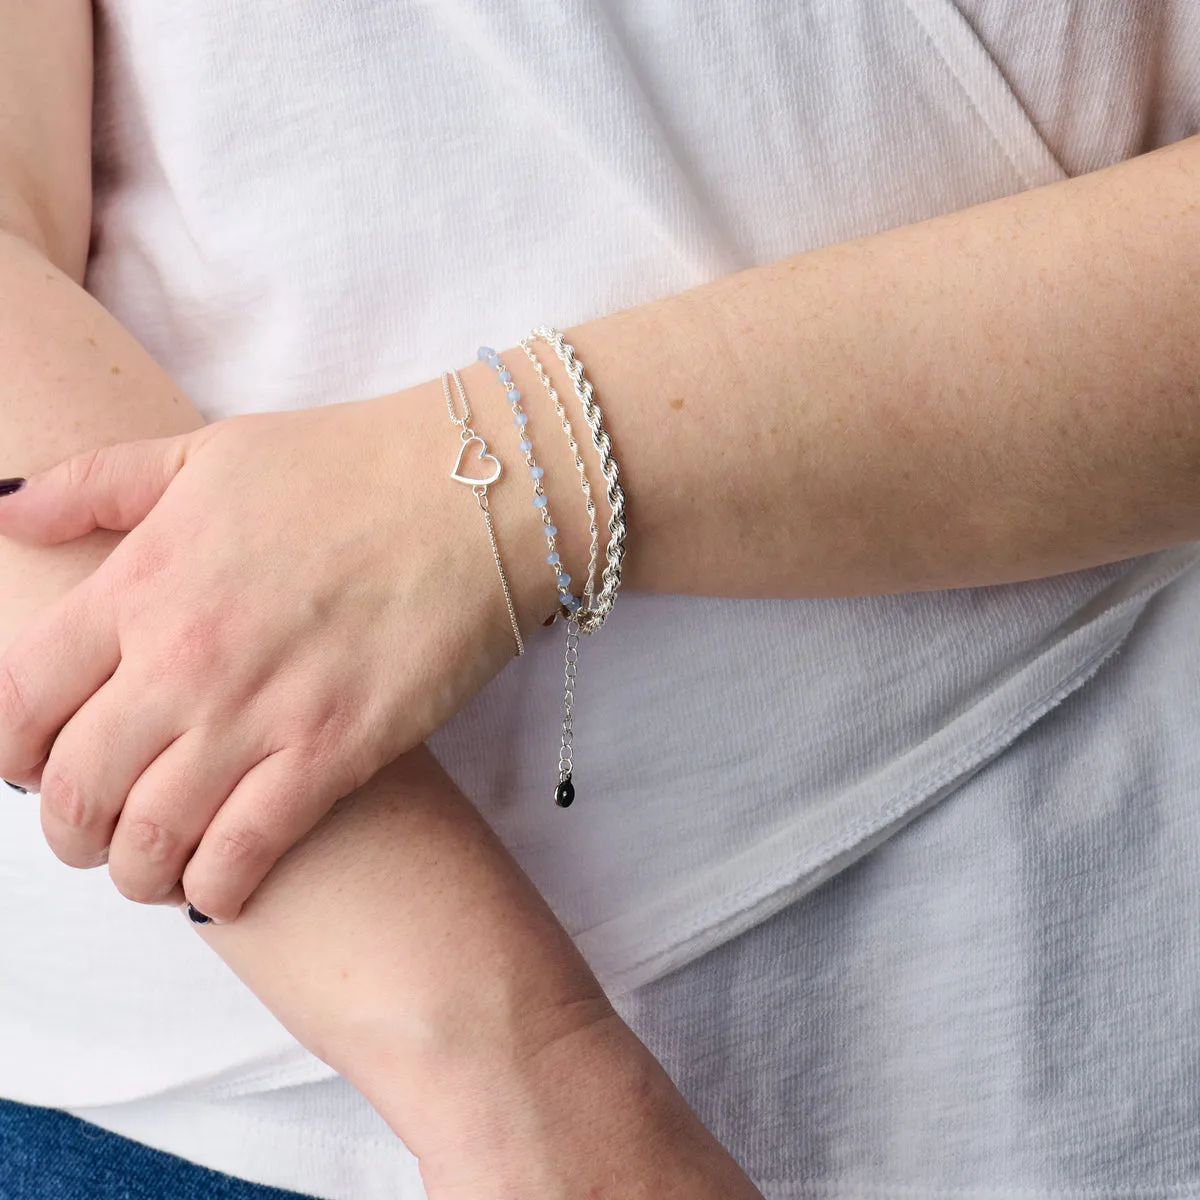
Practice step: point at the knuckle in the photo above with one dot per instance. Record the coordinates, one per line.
(201, 634)
(151, 842)
(64, 800)
(14, 711)
(242, 846)
(80, 468)
(143, 558)
(194, 649)
(219, 880)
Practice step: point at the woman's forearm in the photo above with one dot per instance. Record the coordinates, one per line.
(72, 379)
(1006, 392)
(403, 945)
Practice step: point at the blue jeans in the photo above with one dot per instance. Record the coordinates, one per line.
(50, 1155)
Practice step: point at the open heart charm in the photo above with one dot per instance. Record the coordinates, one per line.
(484, 457)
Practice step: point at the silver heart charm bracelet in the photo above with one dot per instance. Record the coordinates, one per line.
(487, 468)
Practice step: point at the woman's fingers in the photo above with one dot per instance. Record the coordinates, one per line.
(94, 762)
(166, 812)
(275, 805)
(50, 671)
(112, 487)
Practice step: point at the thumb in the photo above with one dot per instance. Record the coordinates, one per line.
(113, 487)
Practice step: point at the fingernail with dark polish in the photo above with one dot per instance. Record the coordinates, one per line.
(197, 917)
(8, 486)
(18, 788)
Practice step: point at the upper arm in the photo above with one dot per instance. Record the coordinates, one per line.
(45, 126)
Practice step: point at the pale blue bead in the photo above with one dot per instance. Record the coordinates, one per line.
(539, 502)
(494, 362)
(505, 377)
(564, 580)
(551, 531)
(486, 352)
(536, 472)
(514, 397)
(526, 446)
(520, 419)
(553, 559)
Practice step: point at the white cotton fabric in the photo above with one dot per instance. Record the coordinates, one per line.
(302, 203)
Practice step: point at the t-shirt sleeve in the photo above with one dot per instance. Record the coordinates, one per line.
(1101, 82)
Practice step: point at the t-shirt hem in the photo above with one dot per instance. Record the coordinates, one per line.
(309, 1152)
(638, 947)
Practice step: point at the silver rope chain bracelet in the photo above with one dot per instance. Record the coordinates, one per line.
(591, 620)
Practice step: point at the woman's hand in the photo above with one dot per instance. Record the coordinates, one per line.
(303, 597)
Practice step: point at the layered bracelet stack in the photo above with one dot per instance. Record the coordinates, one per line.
(586, 612)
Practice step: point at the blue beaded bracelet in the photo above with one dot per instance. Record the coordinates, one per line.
(567, 599)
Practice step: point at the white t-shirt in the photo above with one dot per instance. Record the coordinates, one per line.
(299, 203)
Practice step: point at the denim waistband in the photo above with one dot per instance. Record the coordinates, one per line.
(50, 1155)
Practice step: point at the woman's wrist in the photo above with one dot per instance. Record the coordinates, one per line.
(519, 529)
(419, 415)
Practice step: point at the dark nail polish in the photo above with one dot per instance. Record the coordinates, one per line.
(17, 788)
(8, 486)
(197, 917)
